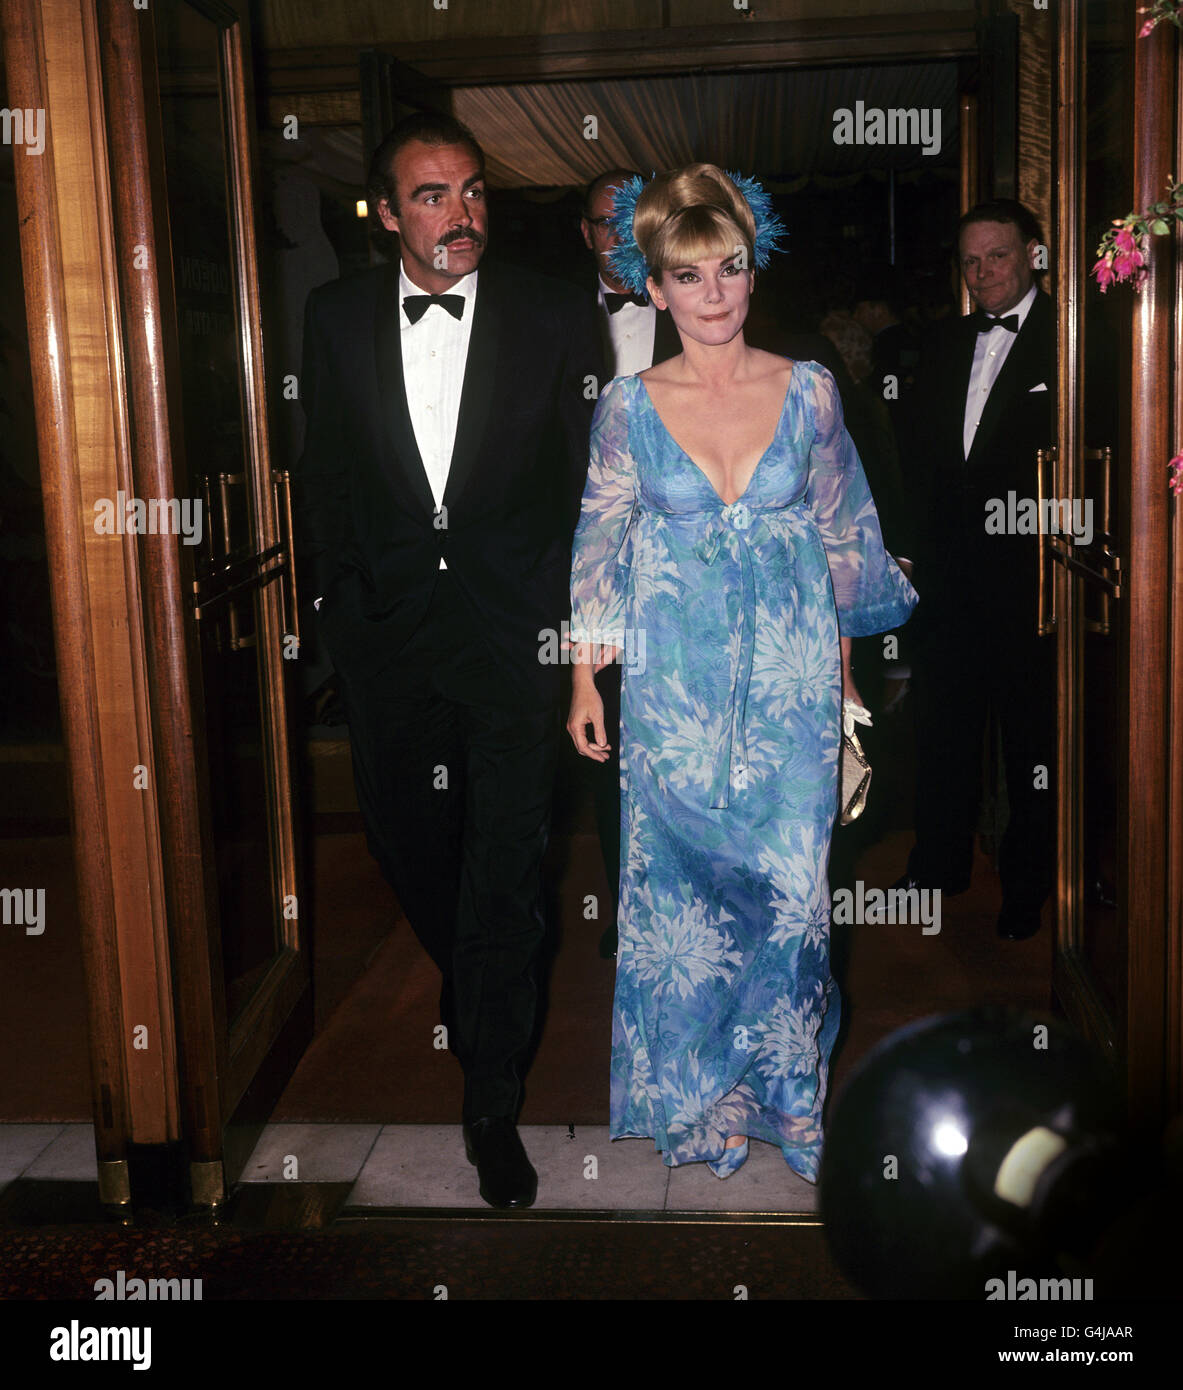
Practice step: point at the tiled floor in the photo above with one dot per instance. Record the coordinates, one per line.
(424, 1167)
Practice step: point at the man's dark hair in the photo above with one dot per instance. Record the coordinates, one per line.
(429, 127)
(613, 177)
(1003, 210)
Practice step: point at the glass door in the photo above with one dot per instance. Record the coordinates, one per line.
(1107, 596)
(241, 598)
(1083, 586)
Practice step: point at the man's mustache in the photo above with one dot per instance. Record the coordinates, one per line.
(460, 234)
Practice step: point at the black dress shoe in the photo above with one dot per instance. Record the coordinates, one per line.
(507, 1178)
(1017, 922)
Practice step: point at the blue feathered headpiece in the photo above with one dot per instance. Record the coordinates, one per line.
(626, 260)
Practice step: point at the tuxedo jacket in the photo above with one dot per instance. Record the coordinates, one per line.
(369, 535)
(666, 342)
(955, 556)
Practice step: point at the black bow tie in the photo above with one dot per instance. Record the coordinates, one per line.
(416, 304)
(617, 301)
(984, 322)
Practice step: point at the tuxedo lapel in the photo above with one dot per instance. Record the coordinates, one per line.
(485, 345)
(392, 391)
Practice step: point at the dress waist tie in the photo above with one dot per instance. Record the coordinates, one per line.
(738, 532)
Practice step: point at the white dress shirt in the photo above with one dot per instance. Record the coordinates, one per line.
(435, 351)
(631, 333)
(989, 354)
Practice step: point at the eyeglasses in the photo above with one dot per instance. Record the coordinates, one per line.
(598, 222)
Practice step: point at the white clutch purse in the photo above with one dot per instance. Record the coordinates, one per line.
(854, 771)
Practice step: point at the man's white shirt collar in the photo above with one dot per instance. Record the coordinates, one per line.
(1022, 308)
(465, 286)
(607, 289)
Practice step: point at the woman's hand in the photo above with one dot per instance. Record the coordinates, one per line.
(587, 708)
(849, 689)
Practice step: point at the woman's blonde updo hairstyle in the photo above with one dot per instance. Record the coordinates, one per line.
(689, 215)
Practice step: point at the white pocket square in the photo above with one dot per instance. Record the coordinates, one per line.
(1041, 387)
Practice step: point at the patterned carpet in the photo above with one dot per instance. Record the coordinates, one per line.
(488, 1258)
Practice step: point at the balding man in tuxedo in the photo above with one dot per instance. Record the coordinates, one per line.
(985, 406)
(635, 336)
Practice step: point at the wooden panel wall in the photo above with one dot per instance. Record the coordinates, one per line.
(1143, 799)
(1036, 114)
(297, 24)
(318, 82)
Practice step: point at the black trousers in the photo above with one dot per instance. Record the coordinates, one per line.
(606, 786)
(454, 777)
(966, 663)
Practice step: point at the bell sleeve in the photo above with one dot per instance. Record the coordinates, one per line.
(870, 591)
(600, 550)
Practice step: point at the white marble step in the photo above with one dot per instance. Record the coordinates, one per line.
(424, 1166)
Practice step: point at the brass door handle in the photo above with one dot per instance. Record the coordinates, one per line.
(1101, 625)
(1098, 562)
(1045, 614)
(281, 481)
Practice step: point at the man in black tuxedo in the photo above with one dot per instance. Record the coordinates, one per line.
(449, 413)
(985, 405)
(635, 335)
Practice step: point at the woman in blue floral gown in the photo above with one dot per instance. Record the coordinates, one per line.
(724, 587)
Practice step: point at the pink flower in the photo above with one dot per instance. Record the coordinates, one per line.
(1127, 259)
(1147, 28)
(1176, 467)
(1104, 273)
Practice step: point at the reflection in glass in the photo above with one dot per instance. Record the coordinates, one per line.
(217, 460)
(1108, 91)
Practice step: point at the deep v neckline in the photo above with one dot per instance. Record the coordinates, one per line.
(702, 471)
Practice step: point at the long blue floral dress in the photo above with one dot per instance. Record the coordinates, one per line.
(725, 1010)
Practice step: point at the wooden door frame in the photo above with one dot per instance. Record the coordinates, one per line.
(53, 64)
(1145, 545)
(219, 1060)
(174, 690)
(1173, 982)
(1150, 859)
(96, 256)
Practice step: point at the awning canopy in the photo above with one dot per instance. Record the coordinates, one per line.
(778, 125)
